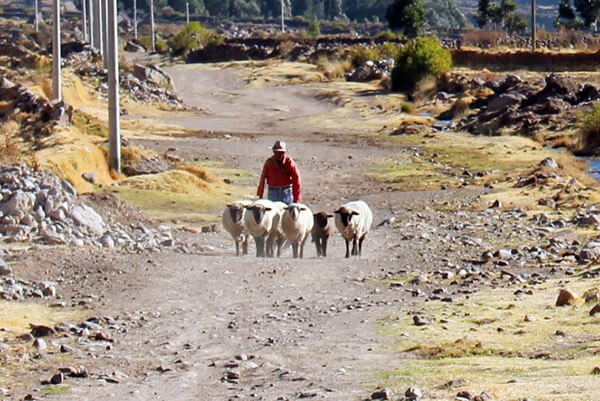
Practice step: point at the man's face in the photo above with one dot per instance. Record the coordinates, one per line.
(279, 155)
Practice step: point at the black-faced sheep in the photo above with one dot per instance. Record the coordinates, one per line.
(354, 220)
(259, 219)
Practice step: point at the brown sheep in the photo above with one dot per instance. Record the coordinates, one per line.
(321, 231)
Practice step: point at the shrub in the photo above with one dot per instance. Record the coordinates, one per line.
(362, 54)
(386, 35)
(193, 36)
(389, 50)
(419, 59)
(314, 28)
(589, 131)
(333, 68)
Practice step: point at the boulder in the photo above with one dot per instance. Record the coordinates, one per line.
(20, 202)
(504, 101)
(134, 47)
(5, 270)
(590, 252)
(153, 74)
(566, 297)
(86, 216)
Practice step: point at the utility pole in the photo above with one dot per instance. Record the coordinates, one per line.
(135, 34)
(90, 21)
(152, 26)
(84, 20)
(104, 6)
(282, 16)
(114, 134)
(98, 26)
(56, 73)
(36, 18)
(533, 28)
(187, 13)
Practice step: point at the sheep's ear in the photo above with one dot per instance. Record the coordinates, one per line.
(355, 213)
(329, 216)
(268, 208)
(337, 211)
(302, 208)
(229, 204)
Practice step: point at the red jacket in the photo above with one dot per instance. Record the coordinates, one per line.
(281, 174)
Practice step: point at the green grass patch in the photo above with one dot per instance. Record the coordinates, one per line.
(15, 317)
(56, 389)
(407, 175)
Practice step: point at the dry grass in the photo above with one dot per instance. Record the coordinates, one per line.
(333, 68)
(9, 148)
(499, 343)
(176, 181)
(199, 172)
(286, 48)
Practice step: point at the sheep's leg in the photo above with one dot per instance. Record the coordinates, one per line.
(347, 248)
(237, 247)
(318, 246)
(260, 247)
(295, 249)
(245, 246)
(354, 249)
(269, 247)
(280, 242)
(302, 248)
(324, 247)
(360, 242)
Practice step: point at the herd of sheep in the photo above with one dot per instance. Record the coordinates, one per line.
(271, 224)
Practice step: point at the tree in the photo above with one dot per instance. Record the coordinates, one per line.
(483, 16)
(567, 17)
(566, 10)
(589, 10)
(407, 16)
(515, 23)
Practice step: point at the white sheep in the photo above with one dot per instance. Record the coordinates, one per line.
(297, 222)
(258, 220)
(276, 236)
(354, 220)
(233, 222)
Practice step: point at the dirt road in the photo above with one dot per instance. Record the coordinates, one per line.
(217, 327)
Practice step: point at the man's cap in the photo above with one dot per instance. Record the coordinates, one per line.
(279, 146)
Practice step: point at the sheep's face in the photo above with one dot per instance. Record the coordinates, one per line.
(236, 212)
(294, 211)
(346, 215)
(321, 219)
(258, 212)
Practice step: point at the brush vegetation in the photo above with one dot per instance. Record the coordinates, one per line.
(420, 59)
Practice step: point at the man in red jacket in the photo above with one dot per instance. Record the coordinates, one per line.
(282, 176)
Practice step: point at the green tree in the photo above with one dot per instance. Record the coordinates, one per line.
(567, 17)
(515, 23)
(589, 10)
(407, 16)
(314, 29)
(483, 16)
(421, 58)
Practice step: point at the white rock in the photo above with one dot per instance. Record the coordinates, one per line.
(87, 217)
